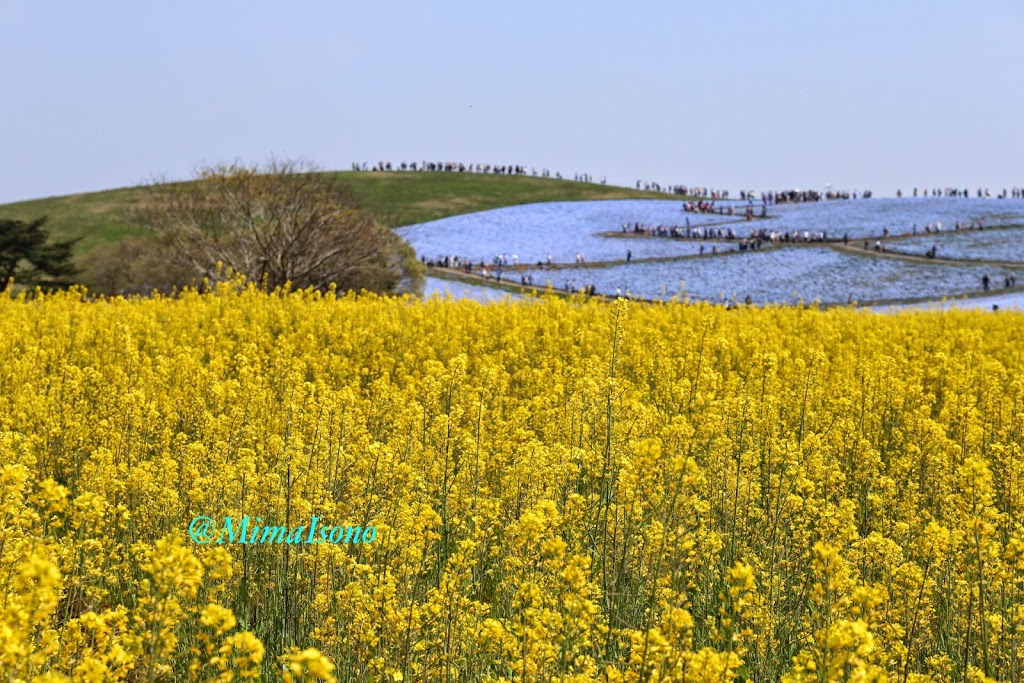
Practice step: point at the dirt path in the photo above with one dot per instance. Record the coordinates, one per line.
(858, 250)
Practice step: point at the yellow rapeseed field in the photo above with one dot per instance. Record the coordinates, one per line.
(561, 491)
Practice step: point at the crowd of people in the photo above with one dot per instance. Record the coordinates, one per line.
(963, 193)
(450, 167)
(754, 238)
(786, 236)
(462, 263)
(800, 196)
(704, 192)
(683, 190)
(705, 232)
(929, 228)
(460, 167)
(729, 210)
(936, 227)
(526, 279)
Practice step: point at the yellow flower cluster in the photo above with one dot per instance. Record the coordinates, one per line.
(563, 490)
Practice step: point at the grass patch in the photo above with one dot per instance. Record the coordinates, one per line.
(96, 217)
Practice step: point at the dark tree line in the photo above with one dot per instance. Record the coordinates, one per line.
(28, 257)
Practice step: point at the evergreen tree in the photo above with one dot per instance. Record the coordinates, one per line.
(27, 256)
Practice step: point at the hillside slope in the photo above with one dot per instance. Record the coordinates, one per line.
(395, 198)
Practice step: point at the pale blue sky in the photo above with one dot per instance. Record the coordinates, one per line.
(877, 94)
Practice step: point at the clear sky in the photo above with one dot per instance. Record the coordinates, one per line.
(733, 94)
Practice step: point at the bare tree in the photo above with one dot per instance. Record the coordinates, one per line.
(284, 222)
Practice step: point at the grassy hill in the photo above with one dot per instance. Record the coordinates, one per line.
(396, 198)
(95, 217)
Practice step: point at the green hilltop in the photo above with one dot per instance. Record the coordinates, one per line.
(395, 198)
